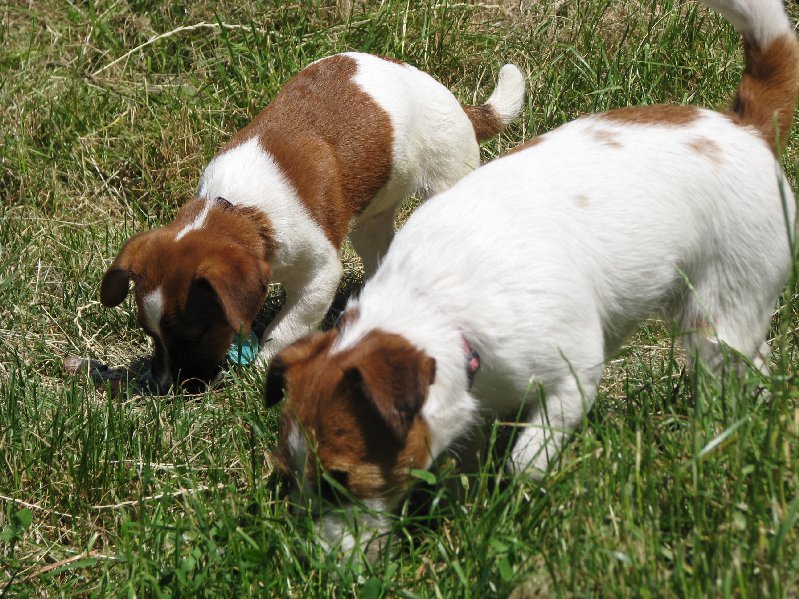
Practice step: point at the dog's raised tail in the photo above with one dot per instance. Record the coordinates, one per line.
(770, 84)
(504, 104)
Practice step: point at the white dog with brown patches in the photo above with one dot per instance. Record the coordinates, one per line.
(336, 152)
(534, 268)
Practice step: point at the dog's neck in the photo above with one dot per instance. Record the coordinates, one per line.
(246, 225)
(226, 205)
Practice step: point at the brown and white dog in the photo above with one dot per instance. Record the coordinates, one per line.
(340, 147)
(528, 273)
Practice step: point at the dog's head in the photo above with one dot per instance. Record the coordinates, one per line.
(351, 428)
(195, 287)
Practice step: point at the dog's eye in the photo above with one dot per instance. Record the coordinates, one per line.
(333, 486)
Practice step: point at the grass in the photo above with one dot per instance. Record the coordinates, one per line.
(674, 487)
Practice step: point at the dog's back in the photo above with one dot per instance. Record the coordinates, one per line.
(563, 246)
(618, 209)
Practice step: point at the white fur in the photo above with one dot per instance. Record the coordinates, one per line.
(508, 97)
(306, 263)
(153, 308)
(562, 248)
(434, 145)
(546, 259)
(758, 21)
(433, 140)
(197, 223)
(340, 530)
(298, 449)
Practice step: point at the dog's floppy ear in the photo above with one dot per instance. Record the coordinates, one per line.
(301, 350)
(240, 281)
(116, 280)
(394, 378)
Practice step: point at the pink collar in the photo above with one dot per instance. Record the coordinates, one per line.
(472, 361)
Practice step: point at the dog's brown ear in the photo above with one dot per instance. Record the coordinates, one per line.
(116, 280)
(240, 281)
(299, 351)
(394, 377)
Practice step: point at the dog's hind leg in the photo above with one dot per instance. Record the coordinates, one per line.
(371, 238)
(710, 322)
(708, 344)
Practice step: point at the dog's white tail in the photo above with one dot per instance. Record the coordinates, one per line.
(504, 104)
(770, 84)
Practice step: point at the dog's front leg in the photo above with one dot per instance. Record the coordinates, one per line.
(541, 439)
(310, 289)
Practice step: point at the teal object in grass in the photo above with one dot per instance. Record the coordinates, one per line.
(243, 350)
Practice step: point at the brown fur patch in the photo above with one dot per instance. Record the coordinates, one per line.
(582, 201)
(528, 144)
(485, 120)
(667, 115)
(212, 285)
(331, 397)
(706, 147)
(350, 316)
(333, 141)
(608, 138)
(769, 86)
(245, 225)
